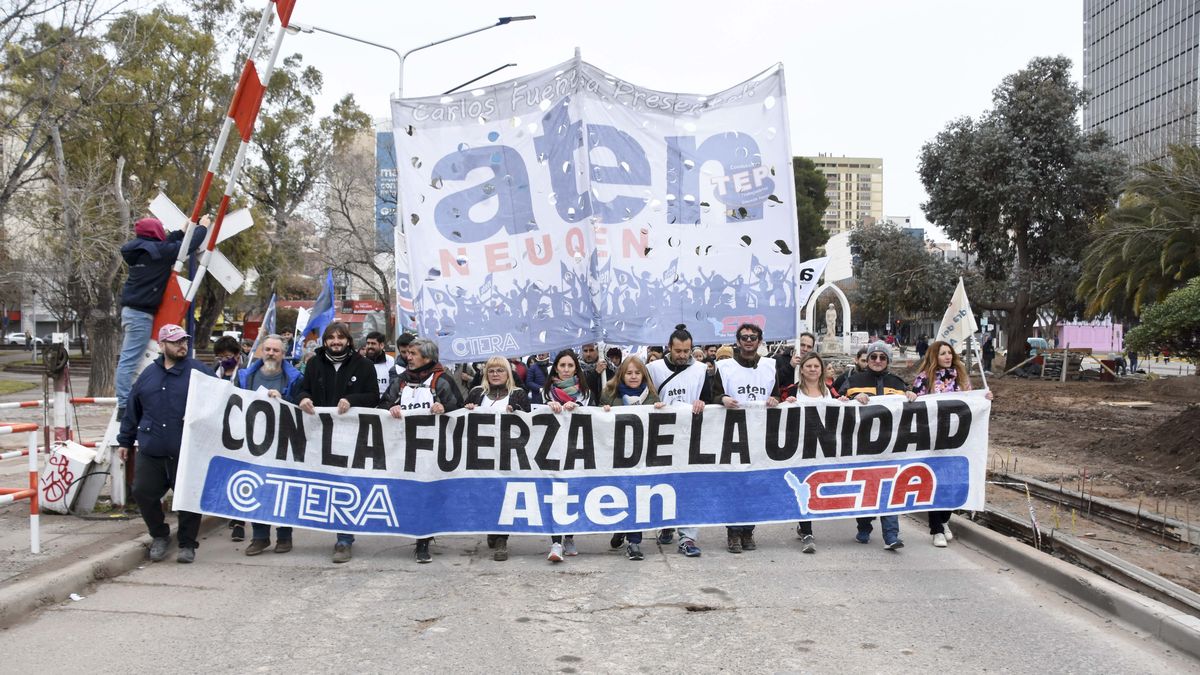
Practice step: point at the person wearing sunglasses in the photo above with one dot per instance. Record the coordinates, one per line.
(746, 378)
(877, 380)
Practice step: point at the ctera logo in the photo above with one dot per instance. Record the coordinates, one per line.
(828, 491)
(310, 499)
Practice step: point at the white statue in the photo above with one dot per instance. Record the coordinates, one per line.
(831, 322)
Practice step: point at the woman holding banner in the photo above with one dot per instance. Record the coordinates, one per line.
(630, 386)
(498, 393)
(812, 386)
(941, 372)
(564, 390)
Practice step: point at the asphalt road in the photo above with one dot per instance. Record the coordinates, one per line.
(848, 608)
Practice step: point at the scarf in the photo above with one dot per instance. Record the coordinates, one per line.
(565, 391)
(497, 393)
(336, 359)
(676, 367)
(630, 395)
(419, 375)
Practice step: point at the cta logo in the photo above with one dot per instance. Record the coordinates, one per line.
(322, 501)
(868, 488)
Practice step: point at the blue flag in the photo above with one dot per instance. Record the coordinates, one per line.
(321, 316)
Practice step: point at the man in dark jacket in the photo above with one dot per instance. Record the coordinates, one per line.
(150, 257)
(426, 387)
(338, 376)
(154, 418)
(877, 380)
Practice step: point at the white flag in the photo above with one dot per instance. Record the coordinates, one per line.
(958, 323)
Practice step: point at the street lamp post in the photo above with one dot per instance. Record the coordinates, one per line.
(296, 27)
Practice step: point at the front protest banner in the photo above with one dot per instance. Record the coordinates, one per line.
(250, 457)
(571, 205)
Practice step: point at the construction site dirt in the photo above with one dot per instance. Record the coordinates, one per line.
(1134, 441)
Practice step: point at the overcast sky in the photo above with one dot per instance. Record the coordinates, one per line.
(873, 78)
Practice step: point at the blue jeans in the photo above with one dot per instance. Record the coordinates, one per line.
(344, 538)
(262, 532)
(137, 326)
(890, 524)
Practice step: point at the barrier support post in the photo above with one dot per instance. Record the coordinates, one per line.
(35, 540)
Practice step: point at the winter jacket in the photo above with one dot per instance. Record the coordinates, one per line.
(535, 379)
(354, 381)
(875, 384)
(444, 389)
(155, 408)
(150, 264)
(518, 398)
(290, 372)
(617, 399)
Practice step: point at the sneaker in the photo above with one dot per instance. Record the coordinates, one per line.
(939, 540)
(187, 555)
(501, 552)
(422, 552)
(341, 552)
(634, 551)
(158, 548)
(666, 536)
(748, 541)
(734, 544)
(569, 546)
(863, 537)
(492, 539)
(949, 535)
(808, 544)
(238, 533)
(617, 540)
(689, 548)
(893, 544)
(556, 552)
(283, 546)
(257, 546)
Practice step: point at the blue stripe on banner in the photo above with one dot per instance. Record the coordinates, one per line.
(370, 505)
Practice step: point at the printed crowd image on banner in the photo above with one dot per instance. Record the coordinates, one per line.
(571, 206)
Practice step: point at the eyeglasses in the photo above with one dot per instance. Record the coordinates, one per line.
(748, 338)
(878, 357)
(496, 371)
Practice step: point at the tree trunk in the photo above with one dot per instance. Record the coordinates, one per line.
(104, 339)
(214, 304)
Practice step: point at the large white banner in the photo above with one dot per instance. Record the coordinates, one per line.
(572, 205)
(250, 457)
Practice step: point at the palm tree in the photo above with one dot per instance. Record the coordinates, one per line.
(1149, 244)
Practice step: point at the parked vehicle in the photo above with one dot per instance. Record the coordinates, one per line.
(19, 339)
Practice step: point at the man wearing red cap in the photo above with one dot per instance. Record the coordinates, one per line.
(154, 418)
(150, 257)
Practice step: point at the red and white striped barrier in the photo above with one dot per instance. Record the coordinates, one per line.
(21, 453)
(10, 495)
(100, 400)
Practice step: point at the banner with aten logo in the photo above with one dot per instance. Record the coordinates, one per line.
(572, 205)
(249, 457)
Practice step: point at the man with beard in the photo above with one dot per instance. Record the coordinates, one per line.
(280, 379)
(337, 376)
(746, 378)
(424, 388)
(154, 418)
(679, 378)
(373, 350)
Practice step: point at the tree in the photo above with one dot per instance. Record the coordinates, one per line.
(811, 203)
(347, 234)
(1172, 325)
(1019, 187)
(896, 274)
(1149, 244)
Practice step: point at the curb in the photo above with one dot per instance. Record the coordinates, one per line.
(20, 599)
(1175, 628)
